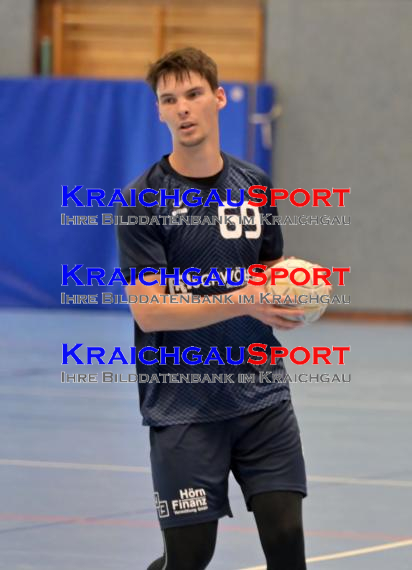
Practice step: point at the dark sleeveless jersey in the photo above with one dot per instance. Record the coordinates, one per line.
(210, 395)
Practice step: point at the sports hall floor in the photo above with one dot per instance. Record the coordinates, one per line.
(75, 488)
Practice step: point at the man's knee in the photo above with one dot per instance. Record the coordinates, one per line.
(289, 533)
(192, 560)
(188, 547)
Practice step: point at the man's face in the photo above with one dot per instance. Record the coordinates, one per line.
(189, 108)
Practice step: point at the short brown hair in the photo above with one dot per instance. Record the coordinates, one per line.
(180, 63)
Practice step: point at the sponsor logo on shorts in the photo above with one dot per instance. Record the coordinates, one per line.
(190, 501)
(161, 506)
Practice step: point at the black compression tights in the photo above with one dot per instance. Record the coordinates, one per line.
(279, 520)
(187, 547)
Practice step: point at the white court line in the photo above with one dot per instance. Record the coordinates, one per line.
(348, 553)
(360, 481)
(140, 469)
(82, 466)
(70, 391)
(388, 406)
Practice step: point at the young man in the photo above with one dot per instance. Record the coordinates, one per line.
(201, 430)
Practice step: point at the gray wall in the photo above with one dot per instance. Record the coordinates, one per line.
(16, 37)
(345, 76)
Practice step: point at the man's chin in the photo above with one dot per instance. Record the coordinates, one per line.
(192, 142)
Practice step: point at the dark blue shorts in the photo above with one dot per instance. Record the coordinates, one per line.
(191, 463)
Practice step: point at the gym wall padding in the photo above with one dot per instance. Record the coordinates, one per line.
(99, 134)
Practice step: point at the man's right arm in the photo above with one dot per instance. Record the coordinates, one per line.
(165, 315)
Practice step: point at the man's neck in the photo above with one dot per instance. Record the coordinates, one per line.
(196, 163)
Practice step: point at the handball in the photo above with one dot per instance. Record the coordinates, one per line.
(300, 290)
